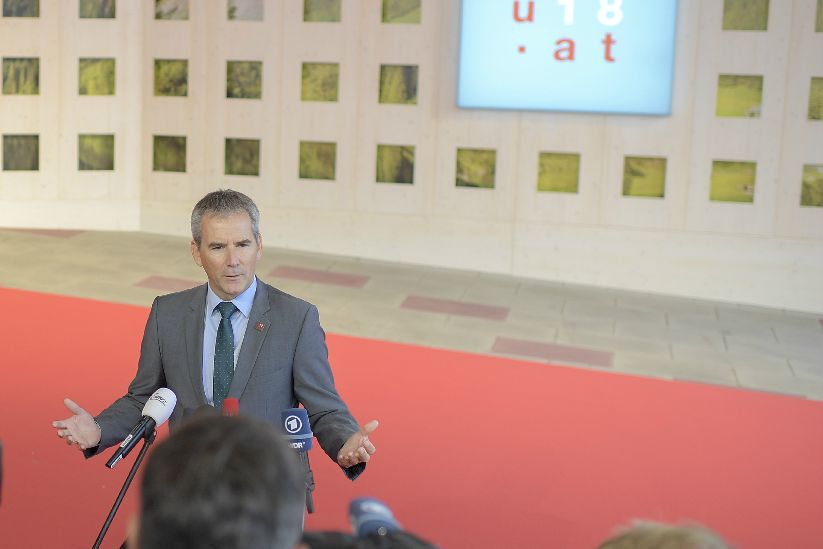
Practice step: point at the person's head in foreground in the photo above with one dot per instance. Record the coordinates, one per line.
(220, 482)
(654, 535)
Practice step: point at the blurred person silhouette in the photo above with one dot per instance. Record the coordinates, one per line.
(220, 483)
(655, 535)
(374, 527)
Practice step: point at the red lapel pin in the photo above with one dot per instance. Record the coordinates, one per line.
(259, 326)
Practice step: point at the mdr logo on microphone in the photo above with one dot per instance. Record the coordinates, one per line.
(296, 428)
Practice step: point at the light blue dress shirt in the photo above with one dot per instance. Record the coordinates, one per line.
(239, 321)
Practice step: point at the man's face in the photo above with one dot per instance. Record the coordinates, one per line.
(228, 252)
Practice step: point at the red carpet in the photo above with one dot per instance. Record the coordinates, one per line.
(473, 451)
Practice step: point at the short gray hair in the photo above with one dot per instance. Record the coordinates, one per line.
(223, 202)
(652, 535)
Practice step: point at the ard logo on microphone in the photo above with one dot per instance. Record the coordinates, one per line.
(159, 398)
(293, 424)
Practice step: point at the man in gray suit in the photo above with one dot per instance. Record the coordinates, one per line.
(235, 337)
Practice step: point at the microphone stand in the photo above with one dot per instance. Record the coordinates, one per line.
(304, 457)
(309, 489)
(147, 440)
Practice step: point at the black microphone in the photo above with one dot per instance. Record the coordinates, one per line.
(297, 432)
(297, 429)
(371, 516)
(157, 410)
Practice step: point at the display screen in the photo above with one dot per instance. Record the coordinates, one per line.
(611, 56)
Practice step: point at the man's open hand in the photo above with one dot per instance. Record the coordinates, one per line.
(79, 429)
(358, 449)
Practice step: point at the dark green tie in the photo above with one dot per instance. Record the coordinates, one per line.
(223, 354)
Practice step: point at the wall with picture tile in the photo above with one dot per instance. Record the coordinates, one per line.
(339, 118)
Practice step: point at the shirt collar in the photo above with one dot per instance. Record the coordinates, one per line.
(243, 301)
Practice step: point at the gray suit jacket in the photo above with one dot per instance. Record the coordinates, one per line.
(283, 362)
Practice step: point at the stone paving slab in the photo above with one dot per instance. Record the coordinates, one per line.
(667, 337)
(807, 369)
(553, 352)
(612, 343)
(540, 332)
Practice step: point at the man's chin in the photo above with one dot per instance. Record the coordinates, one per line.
(233, 286)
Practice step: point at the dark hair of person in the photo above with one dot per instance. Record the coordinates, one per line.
(221, 483)
(221, 203)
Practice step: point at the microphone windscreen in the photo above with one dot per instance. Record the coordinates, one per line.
(160, 405)
(231, 407)
(296, 428)
(371, 516)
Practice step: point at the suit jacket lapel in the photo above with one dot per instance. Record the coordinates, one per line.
(193, 322)
(256, 330)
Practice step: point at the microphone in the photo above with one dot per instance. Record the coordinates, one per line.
(157, 410)
(297, 429)
(371, 516)
(298, 435)
(231, 407)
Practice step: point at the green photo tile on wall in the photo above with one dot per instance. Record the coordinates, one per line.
(320, 82)
(96, 76)
(171, 77)
(475, 168)
(21, 152)
(171, 10)
(398, 84)
(95, 152)
(21, 8)
(169, 153)
(401, 11)
(644, 176)
(321, 11)
(97, 9)
(732, 181)
(816, 99)
(818, 24)
(242, 157)
(244, 79)
(739, 95)
(318, 160)
(245, 10)
(21, 76)
(811, 193)
(558, 172)
(395, 164)
(747, 15)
